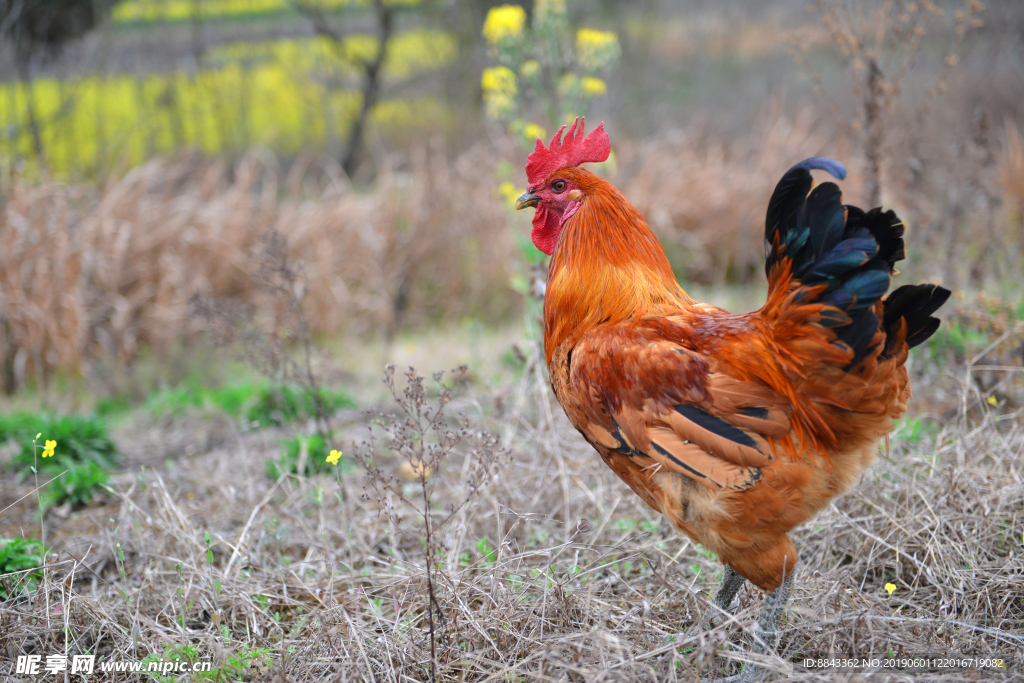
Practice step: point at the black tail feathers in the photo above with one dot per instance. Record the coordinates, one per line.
(915, 304)
(851, 252)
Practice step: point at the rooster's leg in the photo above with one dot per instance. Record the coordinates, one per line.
(731, 582)
(767, 632)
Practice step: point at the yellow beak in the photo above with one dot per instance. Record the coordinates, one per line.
(526, 199)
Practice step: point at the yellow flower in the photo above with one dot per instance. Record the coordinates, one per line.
(333, 457)
(499, 105)
(503, 22)
(509, 192)
(500, 79)
(48, 451)
(991, 400)
(499, 84)
(596, 49)
(529, 68)
(532, 130)
(890, 587)
(594, 86)
(592, 39)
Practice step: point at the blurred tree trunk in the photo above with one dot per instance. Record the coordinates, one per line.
(23, 65)
(371, 85)
(372, 69)
(874, 110)
(38, 27)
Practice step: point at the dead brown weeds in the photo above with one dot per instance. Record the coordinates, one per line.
(705, 199)
(89, 272)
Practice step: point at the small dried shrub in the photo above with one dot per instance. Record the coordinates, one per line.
(424, 437)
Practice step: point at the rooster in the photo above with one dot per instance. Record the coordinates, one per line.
(736, 427)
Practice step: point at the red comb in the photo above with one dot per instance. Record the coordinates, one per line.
(572, 151)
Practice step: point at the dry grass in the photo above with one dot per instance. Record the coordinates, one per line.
(93, 274)
(964, 208)
(706, 199)
(88, 273)
(554, 571)
(1011, 171)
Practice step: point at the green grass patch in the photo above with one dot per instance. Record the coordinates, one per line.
(80, 439)
(916, 429)
(237, 667)
(263, 403)
(956, 339)
(231, 399)
(112, 406)
(306, 455)
(20, 563)
(283, 405)
(78, 487)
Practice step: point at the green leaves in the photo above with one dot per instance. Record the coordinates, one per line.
(209, 549)
(487, 552)
(544, 67)
(77, 487)
(305, 455)
(16, 556)
(79, 463)
(81, 439)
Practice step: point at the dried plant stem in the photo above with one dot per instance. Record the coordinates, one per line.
(429, 558)
(424, 437)
(874, 143)
(39, 502)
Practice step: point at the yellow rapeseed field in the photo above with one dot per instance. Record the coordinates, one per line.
(288, 95)
(145, 11)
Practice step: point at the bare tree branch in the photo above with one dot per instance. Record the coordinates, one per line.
(371, 68)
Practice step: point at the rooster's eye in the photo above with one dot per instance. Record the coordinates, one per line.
(558, 186)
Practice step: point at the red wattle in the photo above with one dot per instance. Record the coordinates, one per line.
(546, 225)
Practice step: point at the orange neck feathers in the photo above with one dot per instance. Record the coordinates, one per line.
(608, 266)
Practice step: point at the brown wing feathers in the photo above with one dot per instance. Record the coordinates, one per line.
(750, 406)
(686, 457)
(718, 436)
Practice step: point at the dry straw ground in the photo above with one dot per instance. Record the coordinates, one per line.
(553, 571)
